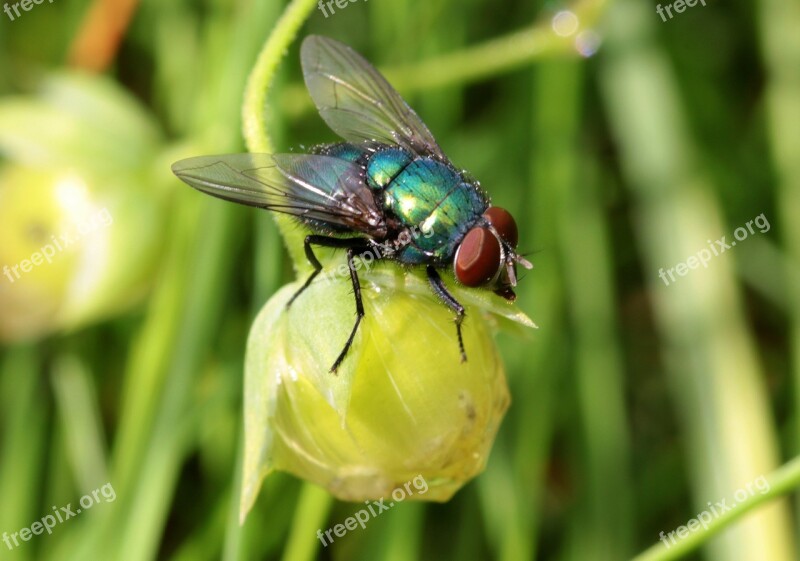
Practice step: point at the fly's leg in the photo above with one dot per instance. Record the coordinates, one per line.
(322, 241)
(356, 247)
(352, 253)
(449, 300)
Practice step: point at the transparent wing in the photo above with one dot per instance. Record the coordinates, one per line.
(310, 187)
(357, 102)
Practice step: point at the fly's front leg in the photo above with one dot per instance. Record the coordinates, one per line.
(322, 241)
(449, 300)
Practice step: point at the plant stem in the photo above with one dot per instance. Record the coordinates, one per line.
(263, 73)
(309, 516)
(254, 123)
(473, 63)
(781, 482)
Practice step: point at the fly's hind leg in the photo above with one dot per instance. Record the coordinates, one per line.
(449, 300)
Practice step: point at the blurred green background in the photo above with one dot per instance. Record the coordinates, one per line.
(636, 404)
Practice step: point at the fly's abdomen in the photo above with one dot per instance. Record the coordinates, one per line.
(432, 199)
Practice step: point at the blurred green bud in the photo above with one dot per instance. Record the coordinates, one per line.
(80, 219)
(402, 404)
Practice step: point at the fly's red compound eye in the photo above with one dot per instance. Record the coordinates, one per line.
(504, 223)
(478, 258)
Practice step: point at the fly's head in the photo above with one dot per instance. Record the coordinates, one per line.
(487, 256)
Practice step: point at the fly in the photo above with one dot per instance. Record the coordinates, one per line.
(388, 190)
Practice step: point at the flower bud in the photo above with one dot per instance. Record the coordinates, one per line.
(79, 219)
(402, 403)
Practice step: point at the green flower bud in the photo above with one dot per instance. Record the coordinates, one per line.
(79, 218)
(402, 403)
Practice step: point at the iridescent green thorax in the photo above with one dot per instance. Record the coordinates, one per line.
(426, 196)
(432, 197)
(385, 165)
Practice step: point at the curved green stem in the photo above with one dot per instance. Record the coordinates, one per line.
(781, 482)
(254, 121)
(263, 74)
(471, 64)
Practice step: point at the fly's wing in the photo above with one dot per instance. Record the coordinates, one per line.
(309, 187)
(357, 102)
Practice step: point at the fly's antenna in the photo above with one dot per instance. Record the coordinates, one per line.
(522, 261)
